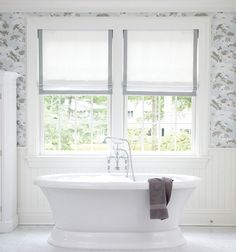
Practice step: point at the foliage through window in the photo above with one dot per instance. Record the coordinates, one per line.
(160, 123)
(74, 123)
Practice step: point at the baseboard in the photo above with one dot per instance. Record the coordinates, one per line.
(35, 218)
(209, 219)
(203, 218)
(8, 226)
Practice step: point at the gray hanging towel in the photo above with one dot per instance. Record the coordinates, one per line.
(159, 195)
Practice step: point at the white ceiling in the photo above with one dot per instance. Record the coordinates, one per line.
(118, 5)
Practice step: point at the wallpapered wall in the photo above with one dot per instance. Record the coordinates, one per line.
(222, 129)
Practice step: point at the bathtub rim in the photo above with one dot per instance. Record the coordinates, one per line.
(48, 181)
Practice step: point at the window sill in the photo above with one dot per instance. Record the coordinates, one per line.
(169, 162)
(99, 162)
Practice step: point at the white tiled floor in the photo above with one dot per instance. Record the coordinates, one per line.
(199, 239)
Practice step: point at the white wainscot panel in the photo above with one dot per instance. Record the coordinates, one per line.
(213, 203)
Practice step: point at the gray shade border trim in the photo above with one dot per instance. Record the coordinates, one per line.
(110, 38)
(125, 58)
(40, 59)
(75, 92)
(161, 93)
(195, 59)
(42, 91)
(194, 93)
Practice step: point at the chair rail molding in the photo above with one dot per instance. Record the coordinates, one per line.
(118, 5)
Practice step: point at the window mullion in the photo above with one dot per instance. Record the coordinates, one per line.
(117, 108)
(76, 123)
(59, 123)
(42, 123)
(193, 127)
(175, 122)
(91, 122)
(143, 128)
(159, 123)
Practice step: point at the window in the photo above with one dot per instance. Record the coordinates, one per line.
(74, 122)
(145, 79)
(161, 67)
(160, 123)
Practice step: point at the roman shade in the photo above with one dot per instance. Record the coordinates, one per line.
(160, 62)
(75, 61)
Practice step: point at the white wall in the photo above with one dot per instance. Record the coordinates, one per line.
(213, 203)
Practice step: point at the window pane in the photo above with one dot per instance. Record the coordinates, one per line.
(150, 137)
(75, 55)
(183, 109)
(74, 123)
(51, 138)
(160, 123)
(160, 56)
(168, 137)
(135, 136)
(100, 131)
(51, 116)
(135, 104)
(183, 137)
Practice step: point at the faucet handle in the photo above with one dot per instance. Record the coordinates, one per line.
(109, 164)
(126, 163)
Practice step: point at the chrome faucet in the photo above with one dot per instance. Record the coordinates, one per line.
(120, 153)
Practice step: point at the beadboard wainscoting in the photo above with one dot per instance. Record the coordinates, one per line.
(213, 203)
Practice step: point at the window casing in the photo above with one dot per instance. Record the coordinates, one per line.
(118, 102)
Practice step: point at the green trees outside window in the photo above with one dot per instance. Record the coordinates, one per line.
(80, 123)
(160, 123)
(75, 123)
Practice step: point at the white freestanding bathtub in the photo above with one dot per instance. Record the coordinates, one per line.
(112, 212)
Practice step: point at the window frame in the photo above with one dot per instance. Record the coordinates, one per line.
(118, 105)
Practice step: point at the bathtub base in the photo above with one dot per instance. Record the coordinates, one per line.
(89, 240)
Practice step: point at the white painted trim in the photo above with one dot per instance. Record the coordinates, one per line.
(8, 225)
(203, 94)
(118, 5)
(202, 217)
(117, 99)
(209, 219)
(61, 162)
(8, 160)
(35, 217)
(33, 123)
(121, 23)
